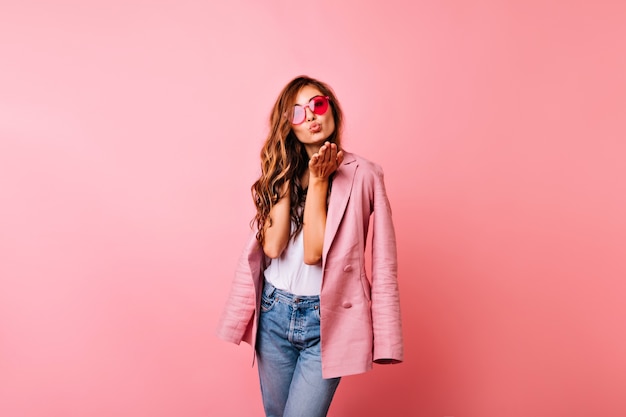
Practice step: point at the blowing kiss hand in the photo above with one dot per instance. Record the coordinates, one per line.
(325, 161)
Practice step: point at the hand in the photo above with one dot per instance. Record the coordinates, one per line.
(326, 161)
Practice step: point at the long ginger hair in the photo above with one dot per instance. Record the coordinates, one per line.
(284, 158)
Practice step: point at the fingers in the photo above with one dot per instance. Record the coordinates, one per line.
(326, 160)
(328, 152)
(325, 152)
(339, 158)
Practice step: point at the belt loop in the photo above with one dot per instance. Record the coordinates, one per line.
(268, 289)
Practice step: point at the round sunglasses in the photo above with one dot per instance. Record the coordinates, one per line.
(318, 105)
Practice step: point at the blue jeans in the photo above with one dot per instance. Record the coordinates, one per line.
(289, 356)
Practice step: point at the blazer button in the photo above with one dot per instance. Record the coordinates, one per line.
(347, 268)
(347, 304)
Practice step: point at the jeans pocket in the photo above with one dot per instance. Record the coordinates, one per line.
(267, 302)
(316, 312)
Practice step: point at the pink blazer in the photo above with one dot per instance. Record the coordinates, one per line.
(360, 316)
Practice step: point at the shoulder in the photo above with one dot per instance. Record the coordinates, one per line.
(365, 166)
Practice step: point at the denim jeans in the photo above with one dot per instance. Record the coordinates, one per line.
(289, 356)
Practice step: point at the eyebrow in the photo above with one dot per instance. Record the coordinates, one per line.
(302, 105)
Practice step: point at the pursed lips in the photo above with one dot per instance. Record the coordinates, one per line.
(315, 127)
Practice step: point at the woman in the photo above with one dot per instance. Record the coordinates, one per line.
(301, 294)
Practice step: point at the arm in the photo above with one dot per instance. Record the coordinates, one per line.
(278, 225)
(321, 166)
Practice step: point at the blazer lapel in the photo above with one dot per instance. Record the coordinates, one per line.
(339, 196)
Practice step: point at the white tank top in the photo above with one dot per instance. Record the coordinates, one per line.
(289, 272)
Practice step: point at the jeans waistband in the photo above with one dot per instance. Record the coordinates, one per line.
(287, 297)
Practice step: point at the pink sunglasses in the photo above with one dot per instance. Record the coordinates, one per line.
(318, 105)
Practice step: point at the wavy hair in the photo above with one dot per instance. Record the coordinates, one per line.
(284, 158)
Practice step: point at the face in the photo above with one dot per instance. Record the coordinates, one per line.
(316, 128)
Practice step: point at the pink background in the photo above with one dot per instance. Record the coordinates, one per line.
(129, 138)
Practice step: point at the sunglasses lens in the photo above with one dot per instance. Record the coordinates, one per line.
(299, 114)
(319, 105)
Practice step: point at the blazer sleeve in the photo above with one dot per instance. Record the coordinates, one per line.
(386, 319)
(237, 320)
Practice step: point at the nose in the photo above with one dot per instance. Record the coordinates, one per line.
(309, 114)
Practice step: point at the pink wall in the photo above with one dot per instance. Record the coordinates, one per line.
(129, 137)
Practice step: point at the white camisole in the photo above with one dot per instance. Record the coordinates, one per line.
(289, 272)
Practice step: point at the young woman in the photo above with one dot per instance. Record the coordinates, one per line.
(301, 295)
